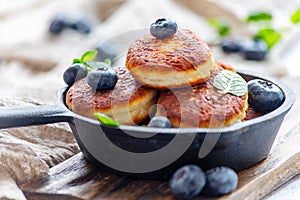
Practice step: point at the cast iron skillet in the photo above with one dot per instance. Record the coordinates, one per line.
(148, 152)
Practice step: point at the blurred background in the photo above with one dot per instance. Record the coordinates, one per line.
(33, 56)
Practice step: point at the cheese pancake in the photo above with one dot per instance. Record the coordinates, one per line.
(127, 103)
(202, 105)
(179, 61)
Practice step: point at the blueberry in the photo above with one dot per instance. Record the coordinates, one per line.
(230, 46)
(187, 181)
(160, 122)
(57, 25)
(264, 96)
(220, 181)
(74, 73)
(103, 78)
(163, 28)
(81, 26)
(254, 49)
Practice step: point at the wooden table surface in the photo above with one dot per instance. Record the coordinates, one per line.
(76, 178)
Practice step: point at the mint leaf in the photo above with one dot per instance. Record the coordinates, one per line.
(230, 82)
(221, 26)
(259, 16)
(269, 35)
(89, 56)
(104, 119)
(76, 60)
(295, 18)
(87, 59)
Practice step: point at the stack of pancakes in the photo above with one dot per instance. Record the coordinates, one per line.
(174, 74)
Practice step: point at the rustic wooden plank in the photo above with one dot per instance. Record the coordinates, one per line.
(76, 178)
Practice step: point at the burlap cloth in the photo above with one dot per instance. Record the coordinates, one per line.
(32, 63)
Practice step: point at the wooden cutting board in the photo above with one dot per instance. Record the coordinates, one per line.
(76, 178)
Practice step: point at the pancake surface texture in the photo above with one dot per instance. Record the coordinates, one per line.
(202, 105)
(128, 103)
(179, 61)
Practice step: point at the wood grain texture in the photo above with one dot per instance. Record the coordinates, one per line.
(76, 178)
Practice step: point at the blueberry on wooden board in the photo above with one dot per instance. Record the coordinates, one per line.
(220, 181)
(163, 28)
(187, 181)
(264, 96)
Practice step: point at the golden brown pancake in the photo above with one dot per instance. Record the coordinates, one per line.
(179, 61)
(128, 103)
(202, 105)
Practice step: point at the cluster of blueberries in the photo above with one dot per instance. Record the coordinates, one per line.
(60, 22)
(190, 180)
(251, 49)
(101, 78)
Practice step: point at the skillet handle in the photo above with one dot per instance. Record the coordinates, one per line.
(33, 115)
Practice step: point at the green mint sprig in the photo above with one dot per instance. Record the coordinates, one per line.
(264, 29)
(229, 82)
(87, 59)
(259, 17)
(295, 18)
(221, 26)
(104, 119)
(269, 35)
(266, 32)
